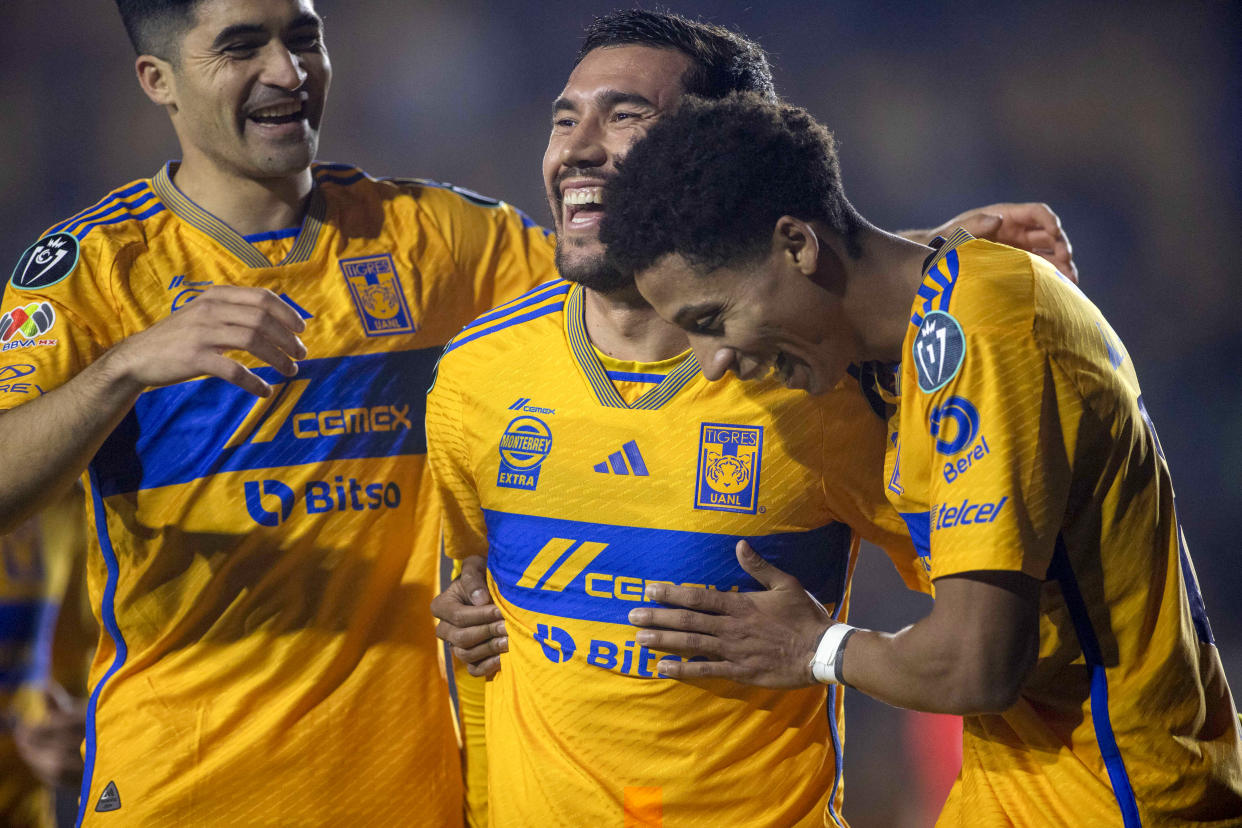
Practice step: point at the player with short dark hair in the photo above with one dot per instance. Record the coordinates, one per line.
(721, 61)
(1068, 628)
(233, 353)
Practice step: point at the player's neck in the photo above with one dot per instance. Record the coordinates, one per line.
(247, 205)
(624, 326)
(881, 286)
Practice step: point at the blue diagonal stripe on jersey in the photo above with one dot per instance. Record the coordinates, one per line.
(1062, 571)
(515, 320)
(177, 434)
(109, 199)
(819, 558)
(557, 288)
(111, 627)
(125, 216)
(110, 210)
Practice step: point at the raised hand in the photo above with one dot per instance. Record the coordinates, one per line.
(192, 341)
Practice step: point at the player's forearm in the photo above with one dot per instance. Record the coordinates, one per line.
(915, 670)
(48, 441)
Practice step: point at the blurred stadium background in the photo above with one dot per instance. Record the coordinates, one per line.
(1124, 117)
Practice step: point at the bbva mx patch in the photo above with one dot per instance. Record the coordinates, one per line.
(524, 446)
(377, 294)
(46, 262)
(939, 348)
(730, 459)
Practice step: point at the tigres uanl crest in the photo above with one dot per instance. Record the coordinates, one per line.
(730, 458)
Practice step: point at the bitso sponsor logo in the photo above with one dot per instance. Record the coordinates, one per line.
(730, 459)
(557, 644)
(524, 446)
(626, 657)
(271, 502)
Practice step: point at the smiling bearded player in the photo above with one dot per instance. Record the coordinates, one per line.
(577, 444)
(234, 351)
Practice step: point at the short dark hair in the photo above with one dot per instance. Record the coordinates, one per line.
(710, 181)
(154, 26)
(724, 61)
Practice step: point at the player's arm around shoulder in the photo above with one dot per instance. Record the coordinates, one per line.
(61, 316)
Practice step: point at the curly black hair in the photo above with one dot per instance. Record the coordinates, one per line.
(722, 61)
(710, 181)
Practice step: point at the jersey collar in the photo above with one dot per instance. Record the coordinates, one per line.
(186, 210)
(593, 369)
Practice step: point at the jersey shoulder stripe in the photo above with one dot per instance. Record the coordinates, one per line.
(134, 202)
(541, 302)
(939, 278)
(110, 199)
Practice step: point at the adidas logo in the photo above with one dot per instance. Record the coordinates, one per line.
(109, 800)
(616, 463)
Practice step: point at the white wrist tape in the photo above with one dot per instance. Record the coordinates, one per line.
(826, 665)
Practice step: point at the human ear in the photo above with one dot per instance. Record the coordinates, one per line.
(798, 244)
(155, 76)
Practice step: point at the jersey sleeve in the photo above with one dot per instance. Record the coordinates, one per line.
(55, 316)
(497, 247)
(456, 498)
(854, 438)
(1000, 473)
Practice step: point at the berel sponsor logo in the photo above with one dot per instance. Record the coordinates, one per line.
(952, 471)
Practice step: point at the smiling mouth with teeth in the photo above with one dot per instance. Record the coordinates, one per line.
(582, 204)
(284, 113)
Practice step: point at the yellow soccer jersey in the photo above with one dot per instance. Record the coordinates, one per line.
(1021, 443)
(38, 564)
(262, 567)
(578, 499)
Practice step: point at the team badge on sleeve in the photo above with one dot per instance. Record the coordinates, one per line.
(939, 349)
(377, 294)
(46, 262)
(730, 458)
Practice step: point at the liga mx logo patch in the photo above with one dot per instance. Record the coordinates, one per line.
(523, 448)
(378, 297)
(730, 459)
